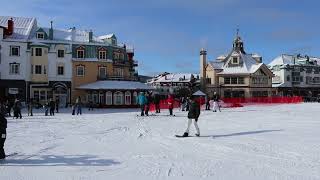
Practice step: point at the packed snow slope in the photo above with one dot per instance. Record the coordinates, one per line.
(254, 142)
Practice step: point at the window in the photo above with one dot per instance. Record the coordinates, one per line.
(80, 54)
(118, 98)
(102, 54)
(43, 95)
(44, 69)
(109, 98)
(14, 68)
(127, 98)
(102, 72)
(118, 56)
(118, 72)
(240, 80)
(95, 98)
(40, 35)
(60, 53)
(80, 70)
(235, 60)
(38, 51)
(134, 100)
(38, 69)
(36, 95)
(101, 98)
(31, 69)
(60, 70)
(227, 80)
(14, 50)
(288, 78)
(234, 80)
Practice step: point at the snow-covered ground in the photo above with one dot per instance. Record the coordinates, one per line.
(253, 142)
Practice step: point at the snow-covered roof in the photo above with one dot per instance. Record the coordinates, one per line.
(174, 77)
(199, 93)
(38, 44)
(121, 85)
(248, 64)
(285, 59)
(106, 36)
(22, 26)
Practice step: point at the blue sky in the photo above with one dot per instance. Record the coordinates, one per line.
(168, 34)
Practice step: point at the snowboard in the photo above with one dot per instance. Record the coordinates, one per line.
(181, 136)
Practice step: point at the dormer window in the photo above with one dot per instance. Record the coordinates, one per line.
(235, 60)
(80, 54)
(102, 54)
(40, 35)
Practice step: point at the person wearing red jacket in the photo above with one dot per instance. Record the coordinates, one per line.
(170, 102)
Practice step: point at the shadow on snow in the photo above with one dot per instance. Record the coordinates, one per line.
(242, 133)
(54, 160)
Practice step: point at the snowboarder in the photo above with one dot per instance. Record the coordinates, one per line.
(170, 102)
(215, 99)
(3, 134)
(17, 109)
(30, 107)
(194, 113)
(142, 100)
(78, 105)
(52, 106)
(156, 100)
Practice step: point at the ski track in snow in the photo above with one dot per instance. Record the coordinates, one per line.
(253, 142)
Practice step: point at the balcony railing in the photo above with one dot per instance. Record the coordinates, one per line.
(114, 77)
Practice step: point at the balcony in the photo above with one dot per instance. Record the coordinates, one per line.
(114, 77)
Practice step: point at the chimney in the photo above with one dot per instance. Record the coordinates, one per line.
(10, 27)
(90, 35)
(51, 31)
(203, 63)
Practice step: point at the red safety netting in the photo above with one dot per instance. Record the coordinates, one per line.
(239, 102)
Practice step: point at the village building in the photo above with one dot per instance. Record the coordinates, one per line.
(173, 83)
(296, 75)
(237, 74)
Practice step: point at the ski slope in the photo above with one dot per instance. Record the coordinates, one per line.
(253, 142)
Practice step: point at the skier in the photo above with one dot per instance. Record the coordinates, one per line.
(194, 113)
(215, 99)
(156, 100)
(17, 109)
(3, 134)
(52, 106)
(142, 100)
(170, 102)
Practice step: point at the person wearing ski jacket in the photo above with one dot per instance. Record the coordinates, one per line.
(156, 101)
(170, 102)
(3, 134)
(142, 101)
(194, 113)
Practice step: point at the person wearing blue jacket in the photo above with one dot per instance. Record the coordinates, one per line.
(142, 101)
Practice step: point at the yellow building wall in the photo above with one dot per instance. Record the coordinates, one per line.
(40, 60)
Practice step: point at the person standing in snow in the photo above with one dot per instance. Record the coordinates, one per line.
(156, 100)
(194, 113)
(170, 102)
(208, 103)
(52, 106)
(148, 102)
(17, 109)
(215, 99)
(142, 100)
(3, 134)
(78, 105)
(57, 105)
(30, 107)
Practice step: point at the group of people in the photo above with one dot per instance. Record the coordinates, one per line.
(214, 101)
(145, 99)
(8, 106)
(78, 107)
(51, 106)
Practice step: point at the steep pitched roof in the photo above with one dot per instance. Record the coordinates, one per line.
(22, 26)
